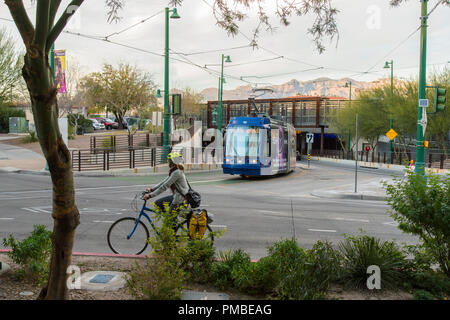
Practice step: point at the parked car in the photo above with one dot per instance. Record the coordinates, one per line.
(124, 123)
(97, 125)
(109, 124)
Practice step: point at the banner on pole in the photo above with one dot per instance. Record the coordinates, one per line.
(60, 70)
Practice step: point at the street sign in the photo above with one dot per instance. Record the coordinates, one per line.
(423, 103)
(424, 121)
(391, 134)
(310, 138)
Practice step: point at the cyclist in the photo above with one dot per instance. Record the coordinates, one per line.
(176, 181)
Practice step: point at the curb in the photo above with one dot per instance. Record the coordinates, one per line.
(351, 196)
(97, 254)
(110, 255)
(110, 173)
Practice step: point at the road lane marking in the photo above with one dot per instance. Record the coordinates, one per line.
(393, 223)
(99, 221)
(6, 218)
(267, 211)
(321, 230)
(349, 219)
(218, 226)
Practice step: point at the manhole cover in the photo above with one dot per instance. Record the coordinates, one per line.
(102, 278)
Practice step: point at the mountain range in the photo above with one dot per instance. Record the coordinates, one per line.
(317, 87)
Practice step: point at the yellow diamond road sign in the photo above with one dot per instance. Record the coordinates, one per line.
(391, 134)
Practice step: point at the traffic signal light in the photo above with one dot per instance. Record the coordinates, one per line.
(440, 99)
(176, 104)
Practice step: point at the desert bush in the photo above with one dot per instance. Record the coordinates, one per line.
(287, 272)
(423, 295)
(304, 274)
(162, 276)
(32, 254)
(32, 137)
(231, 263)
(421, 206)
(360, 252)
(198, 260)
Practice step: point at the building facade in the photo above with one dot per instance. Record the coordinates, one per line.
(306, 113)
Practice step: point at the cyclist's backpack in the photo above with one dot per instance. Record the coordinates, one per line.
(193, 197)
(198, 222)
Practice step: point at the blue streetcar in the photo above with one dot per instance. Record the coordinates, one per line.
(259, 146)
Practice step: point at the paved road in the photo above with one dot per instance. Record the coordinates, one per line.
(255, 212)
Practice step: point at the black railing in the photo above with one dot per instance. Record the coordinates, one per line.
(85, 160)
(121, 142)
(432, 160)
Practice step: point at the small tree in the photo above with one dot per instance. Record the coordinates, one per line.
(421, 206)
(120, 90)
(10, 68)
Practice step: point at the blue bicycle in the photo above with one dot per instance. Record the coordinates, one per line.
(130, 235)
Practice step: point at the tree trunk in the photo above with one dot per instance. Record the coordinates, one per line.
(39, 80)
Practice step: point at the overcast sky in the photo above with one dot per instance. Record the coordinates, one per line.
(370, 32)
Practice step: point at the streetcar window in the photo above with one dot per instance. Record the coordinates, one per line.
(242, 141)
(265, 139)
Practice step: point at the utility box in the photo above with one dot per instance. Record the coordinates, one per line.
(18, 125)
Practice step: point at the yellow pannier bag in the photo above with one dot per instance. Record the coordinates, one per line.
(197, 224)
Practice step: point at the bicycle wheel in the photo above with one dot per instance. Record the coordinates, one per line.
(118, 234)
(209, 235)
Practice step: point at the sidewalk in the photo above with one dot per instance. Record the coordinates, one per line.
(14, 157)
(372, 190)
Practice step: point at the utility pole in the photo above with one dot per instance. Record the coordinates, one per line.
(166, 121)
(391, 66)
(420, 156)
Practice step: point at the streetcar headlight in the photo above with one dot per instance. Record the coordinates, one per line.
(254, 161)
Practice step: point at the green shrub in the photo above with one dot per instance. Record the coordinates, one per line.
(288, 272)
(32, 254)
(360, 252)
(198, 260)
(423, 295)
(421, 206)
(32, 137)
(162, 276)
(231, 265)
(304, 274)
(7, 112)
(257, 278)
(436, 283)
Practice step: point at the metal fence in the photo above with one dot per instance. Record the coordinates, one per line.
(121, 142)
(432, 160)
(86, 160)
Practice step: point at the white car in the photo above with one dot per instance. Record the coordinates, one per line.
(97, 125)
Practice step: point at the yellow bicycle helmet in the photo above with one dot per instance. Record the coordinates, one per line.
(175, 157)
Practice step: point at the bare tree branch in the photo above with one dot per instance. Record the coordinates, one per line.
(113, 9)
(22, 21)
(54, 6)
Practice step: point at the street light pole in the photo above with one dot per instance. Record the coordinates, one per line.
(166, 121)
(219, 102)
(387, 66)
(349, 84)
(420, 157)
